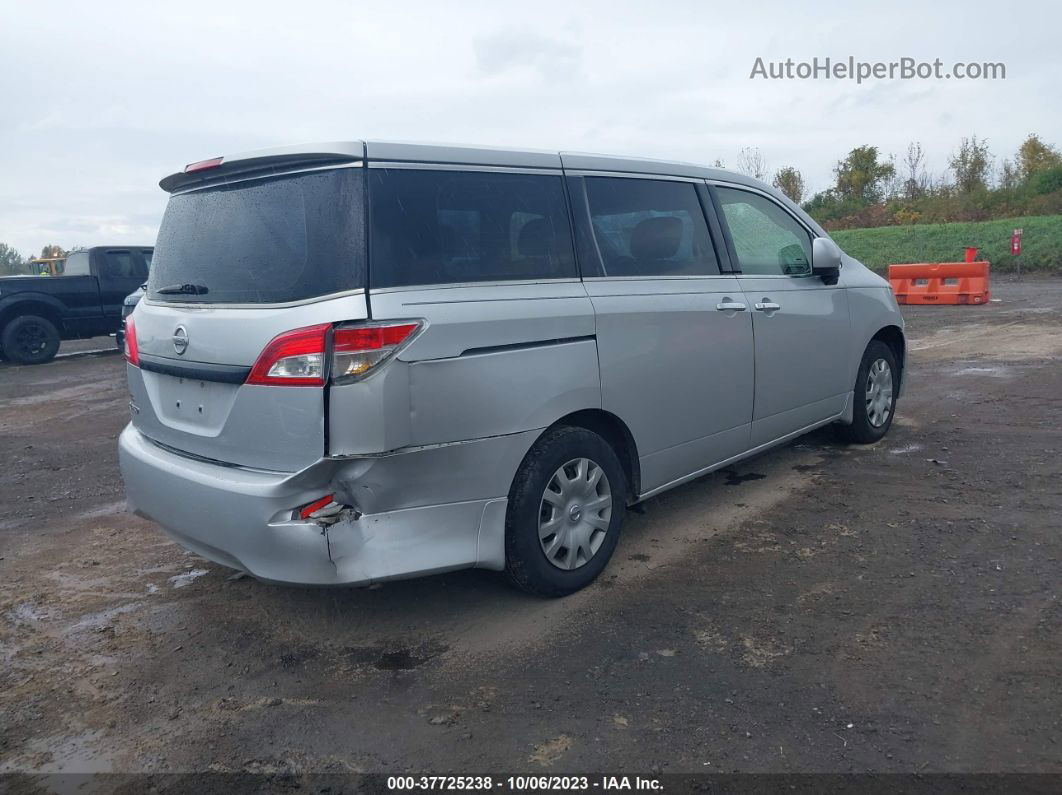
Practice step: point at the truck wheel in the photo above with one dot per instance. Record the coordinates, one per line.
(875, 395)
(565, 512)
(30, 339)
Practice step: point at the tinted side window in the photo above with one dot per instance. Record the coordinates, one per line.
(448, 227)
(122, 264)
(768, 240)
(646, 227)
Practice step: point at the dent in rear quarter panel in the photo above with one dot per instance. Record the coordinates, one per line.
(495, 359)
(439, 503)
(455, 413)
(502, 392)
(372, 415)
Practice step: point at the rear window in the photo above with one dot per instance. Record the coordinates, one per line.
(119, 263)
(450, 227)
(263, 241)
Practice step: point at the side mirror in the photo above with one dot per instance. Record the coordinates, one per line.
(825, 260)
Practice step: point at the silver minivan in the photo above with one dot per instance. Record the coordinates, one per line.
(364, 361)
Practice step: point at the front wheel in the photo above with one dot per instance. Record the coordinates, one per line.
(876, 386)
(565, 512)
(30, 339)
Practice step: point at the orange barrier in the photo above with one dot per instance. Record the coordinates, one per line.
(940, 283)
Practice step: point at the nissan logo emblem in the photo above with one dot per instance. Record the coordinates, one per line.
(180, 340)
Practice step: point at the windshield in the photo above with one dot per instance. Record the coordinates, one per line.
(262, 241)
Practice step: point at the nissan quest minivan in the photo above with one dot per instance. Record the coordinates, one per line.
(363, 361)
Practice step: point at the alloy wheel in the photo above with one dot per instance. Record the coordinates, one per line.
(31, 339)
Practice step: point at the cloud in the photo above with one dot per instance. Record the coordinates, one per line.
(513, 49)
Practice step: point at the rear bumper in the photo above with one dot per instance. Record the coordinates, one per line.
(242, 518)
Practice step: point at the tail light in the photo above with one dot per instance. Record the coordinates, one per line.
(132, 353)
(300, 357)
(360, 348)
(294, 358)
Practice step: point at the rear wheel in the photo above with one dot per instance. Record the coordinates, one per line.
(876, 385)
(565, 512)
(30, 339)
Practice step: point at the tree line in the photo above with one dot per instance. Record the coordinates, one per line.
(871, 189)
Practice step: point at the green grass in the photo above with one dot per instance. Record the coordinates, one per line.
(888, 245)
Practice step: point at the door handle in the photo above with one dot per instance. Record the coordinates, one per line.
(730, 306)
(767, 306)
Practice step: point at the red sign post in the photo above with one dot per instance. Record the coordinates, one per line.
(1015, 248)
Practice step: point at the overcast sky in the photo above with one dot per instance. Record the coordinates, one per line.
(102, 99)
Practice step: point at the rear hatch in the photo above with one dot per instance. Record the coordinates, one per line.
(240, 263)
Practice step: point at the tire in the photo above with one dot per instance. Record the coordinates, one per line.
(875, 396)
(566, 461)
(30, 339)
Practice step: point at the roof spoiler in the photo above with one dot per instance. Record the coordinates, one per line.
(262, 163)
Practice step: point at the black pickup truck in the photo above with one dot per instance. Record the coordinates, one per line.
(36, 312)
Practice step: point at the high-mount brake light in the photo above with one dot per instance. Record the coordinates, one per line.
(202, 165)
(358, 349)
(294, 358)
(132, 353)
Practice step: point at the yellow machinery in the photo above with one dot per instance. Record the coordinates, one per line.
(47, 266)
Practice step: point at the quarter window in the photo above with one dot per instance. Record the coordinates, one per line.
(447, 227)
(767, 239)
(647, 227)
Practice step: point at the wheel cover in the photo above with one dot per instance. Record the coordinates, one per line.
(879, 393)
(31, 339)
(575, 513)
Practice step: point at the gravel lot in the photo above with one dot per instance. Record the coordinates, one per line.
(893, 608)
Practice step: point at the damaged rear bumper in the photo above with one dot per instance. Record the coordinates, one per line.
(412, 512)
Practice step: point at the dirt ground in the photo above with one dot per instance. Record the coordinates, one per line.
(821, 608)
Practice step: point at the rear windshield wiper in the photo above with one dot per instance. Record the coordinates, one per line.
(183, 289)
